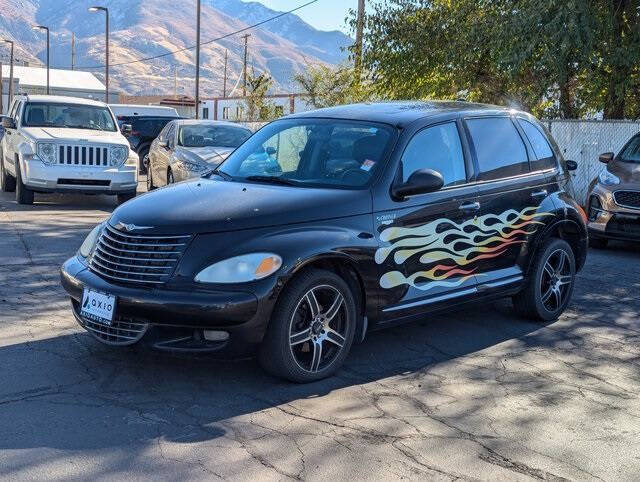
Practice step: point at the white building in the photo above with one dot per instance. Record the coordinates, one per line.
(233, 108)
(33, 80)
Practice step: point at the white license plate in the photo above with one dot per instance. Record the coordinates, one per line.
(98, 307)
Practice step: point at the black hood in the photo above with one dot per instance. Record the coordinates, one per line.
(213, 205)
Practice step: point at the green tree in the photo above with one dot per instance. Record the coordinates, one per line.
(258, 106)
(326, 86)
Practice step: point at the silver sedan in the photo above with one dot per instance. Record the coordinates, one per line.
(185, 149)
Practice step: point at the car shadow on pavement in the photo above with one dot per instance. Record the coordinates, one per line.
(73, 393)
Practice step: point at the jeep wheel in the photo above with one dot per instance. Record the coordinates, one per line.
(550, 284)
(144, 159)
(7, 181)
(311, 329)
(24, 195)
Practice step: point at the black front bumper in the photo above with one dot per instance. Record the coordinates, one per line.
(176, 314)
(621, 226)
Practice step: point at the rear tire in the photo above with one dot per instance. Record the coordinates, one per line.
(24, 195)
(7, 181)
(550, 284)
(142, 155)
(598, 243)
(123, 198)
(311, 329)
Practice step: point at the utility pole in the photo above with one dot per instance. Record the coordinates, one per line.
(106, 13)
(198, 61)
(175, 82)
(11, 73)
(358, 46)
(73, 49)
(244, 70)
(224, 81)
(45, 29)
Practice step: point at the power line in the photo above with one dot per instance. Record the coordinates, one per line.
(184, 49)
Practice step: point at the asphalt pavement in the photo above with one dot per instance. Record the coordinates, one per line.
(477, 394)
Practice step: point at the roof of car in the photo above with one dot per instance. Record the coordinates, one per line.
(61, 99)
(182, 122)
(401, 112)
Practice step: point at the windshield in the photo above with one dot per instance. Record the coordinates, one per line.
(201, 135)
(70, 116)
(315, 152)
(631, 153)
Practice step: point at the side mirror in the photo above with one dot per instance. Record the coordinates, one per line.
(607, 157)
(8, 122)
(163, 144)
(571, 165)
(421, 181)
(126, 130)
(270, 150)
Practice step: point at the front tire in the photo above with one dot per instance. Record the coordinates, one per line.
(143, 156)
(24, 195)
(311, 329)
(550, 284)
(7, 181)
(170, 179)
(150, 186)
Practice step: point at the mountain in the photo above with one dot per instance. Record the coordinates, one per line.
(146, 28)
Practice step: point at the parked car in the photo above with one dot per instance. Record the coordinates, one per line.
(613, 199)
(376, 214)
(188, 148)
(132, 110)
(144, 130)
(65, 144)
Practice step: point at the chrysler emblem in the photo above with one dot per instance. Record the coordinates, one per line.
(130, 227)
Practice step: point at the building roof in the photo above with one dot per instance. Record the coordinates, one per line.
(58, 78)
(399, 113)
(61, 99)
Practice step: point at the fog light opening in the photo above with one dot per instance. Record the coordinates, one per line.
(214, 335)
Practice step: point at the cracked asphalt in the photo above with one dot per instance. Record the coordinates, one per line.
(478, 394)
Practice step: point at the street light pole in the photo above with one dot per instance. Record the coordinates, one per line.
(198, 59)
(73, 49)
(10, 71)
(42, 27)
(106, 41)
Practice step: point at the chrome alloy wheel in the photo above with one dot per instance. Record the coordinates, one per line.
(318, 328)
(556, 280)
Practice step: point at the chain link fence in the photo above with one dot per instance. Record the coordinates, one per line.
(583, 141)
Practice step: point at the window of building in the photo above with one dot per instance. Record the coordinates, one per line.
(225, 113)
(205, 113)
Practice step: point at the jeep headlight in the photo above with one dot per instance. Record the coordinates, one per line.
(118, 155)
(240, 269)
(46, 151)
(90, 241)
(608, 179)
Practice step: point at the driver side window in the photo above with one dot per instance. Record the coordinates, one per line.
(436, 148)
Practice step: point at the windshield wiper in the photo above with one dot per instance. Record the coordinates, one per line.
(274, 180)
(220, 173)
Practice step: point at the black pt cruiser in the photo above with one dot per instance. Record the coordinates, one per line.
(327, 224)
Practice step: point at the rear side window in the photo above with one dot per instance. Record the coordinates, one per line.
(544, 157)
(436, 148)
(499, 148)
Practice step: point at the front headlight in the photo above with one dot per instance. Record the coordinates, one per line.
(608, 179)
(240, 269)
(193, 166)
(118, 155)
(90, 241)
(47, 152)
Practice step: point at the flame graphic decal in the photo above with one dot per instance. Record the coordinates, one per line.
(453, 246)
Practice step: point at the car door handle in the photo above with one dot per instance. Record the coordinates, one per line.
(539, 194)
(474, 206)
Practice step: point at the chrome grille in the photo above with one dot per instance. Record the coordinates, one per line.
(136, 259)
(627, 199)
(83, 155)
(122, 331)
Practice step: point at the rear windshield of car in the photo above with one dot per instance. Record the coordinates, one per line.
(631, 153)
(70, 116)
(212, 136)
(313, 152)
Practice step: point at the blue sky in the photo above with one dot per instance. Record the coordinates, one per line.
(323, 15)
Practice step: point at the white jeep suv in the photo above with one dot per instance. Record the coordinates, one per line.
(65, 144)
